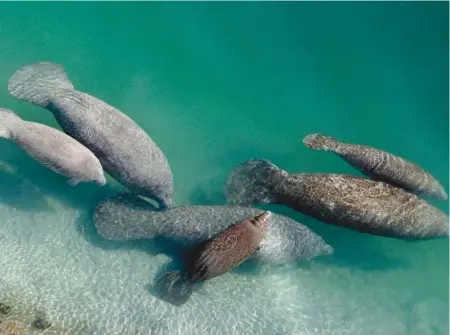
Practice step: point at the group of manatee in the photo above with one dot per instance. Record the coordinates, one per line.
(97, 137)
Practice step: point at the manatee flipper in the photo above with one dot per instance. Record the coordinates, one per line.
(320, 142)
(8, 119)
(36, 83)
(74, 181)
(174, 288)
(253, 182)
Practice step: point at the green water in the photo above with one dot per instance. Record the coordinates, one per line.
(215, 84)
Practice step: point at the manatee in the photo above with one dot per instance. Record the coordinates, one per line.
(52, 148)
(125, 151)
(127, 217)
(230, 248)
(381, 165)
(215, 256)
(358, 203)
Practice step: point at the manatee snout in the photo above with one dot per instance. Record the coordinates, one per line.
(318, 141)
(310, 141)
(101, 181)
(163, 199)
(165, 203)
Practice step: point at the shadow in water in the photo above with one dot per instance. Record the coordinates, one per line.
(171, 285)
(17, 192)
(250, 267)
(254, 267)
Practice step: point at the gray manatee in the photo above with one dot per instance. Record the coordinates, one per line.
(52, 148)
(125, 151)
(126, 217)
(365, 205)
(381, 165)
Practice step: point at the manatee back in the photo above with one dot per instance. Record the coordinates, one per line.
(225, 251)
(365, 205)
(384, 166)
(125, 150)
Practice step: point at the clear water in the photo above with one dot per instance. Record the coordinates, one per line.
(215, 84)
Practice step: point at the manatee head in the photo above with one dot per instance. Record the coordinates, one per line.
(97, 174)
(319, 141)
(260, 221)
(162, 195)
(100, 180)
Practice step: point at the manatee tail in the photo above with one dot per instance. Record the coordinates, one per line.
(8, 119)
(174, 288)
(320, 142)
(126, 216)
(253, 182)
(36, 83)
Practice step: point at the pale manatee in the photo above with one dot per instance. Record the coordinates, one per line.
(127, 217)
(381, 165)
(215, 256)
(358, 203)
(52, 148)
(125, 151)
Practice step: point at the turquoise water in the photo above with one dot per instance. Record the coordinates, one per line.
(215, 84)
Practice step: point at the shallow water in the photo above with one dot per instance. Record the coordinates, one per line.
(215, 84)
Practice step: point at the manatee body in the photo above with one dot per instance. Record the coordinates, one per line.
(358, 203)
(52, 148)
(127, 217)
(381, 165)
(125, 151)
(227, 250)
